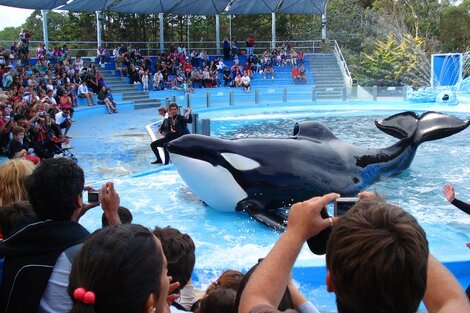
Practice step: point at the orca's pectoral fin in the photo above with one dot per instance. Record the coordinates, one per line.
(276, 219)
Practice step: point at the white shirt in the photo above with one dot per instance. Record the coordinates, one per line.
(60, 118)
(82, 89)
(246, 80)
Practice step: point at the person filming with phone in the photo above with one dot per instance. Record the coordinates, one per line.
(377, 260)
(174, 126)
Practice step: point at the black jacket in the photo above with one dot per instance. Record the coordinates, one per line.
(30, 255)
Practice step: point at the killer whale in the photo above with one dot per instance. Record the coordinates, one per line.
(261, 175)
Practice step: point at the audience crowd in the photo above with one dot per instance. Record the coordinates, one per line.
(179, 69)
(377, 255)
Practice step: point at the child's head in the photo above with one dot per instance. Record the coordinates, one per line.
(219, 301)
(18, 133)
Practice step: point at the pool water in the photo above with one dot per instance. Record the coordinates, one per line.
(116, 147)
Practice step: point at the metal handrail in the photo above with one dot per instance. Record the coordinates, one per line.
(344, 67)
(153, 47)
(150, 131)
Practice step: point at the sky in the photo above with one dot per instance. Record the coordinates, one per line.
(12, 16)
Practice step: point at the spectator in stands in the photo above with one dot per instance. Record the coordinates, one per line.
(120, 66)
(103, 99)
(282, 57)
(303, 74)
(226, 46)
(158, 83)
(145, 81)
(234, 47)
(194, 78)
(250, 45)
(83, 92)
(18, 148)
(377, 259)
(292, 57)
(102, 55)
(246, 82)
(300, 57)
(92, 81)
(176, 83)
(47, 246)
(227, 77)
(142, 273)
(179, 250)
(64, 121)
(295, 74)
(247, 69)
(268, 68)
(238, 80)
(220, 64)
(13, 174)
(207, 80)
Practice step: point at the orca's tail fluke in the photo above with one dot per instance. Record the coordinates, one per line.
(427, 127)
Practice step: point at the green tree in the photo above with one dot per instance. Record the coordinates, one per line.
(10, 33)
(394, 63)
(454, 27)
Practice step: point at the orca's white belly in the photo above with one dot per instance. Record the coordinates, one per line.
(213, 184)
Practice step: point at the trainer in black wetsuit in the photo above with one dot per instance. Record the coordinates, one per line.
(449, 193)
(172, 127)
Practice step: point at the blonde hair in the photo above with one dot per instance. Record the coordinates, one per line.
(13, 174)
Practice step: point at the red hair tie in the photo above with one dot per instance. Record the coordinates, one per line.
(84, 296)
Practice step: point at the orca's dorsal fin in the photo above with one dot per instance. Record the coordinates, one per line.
(312, 130)
(401, 125)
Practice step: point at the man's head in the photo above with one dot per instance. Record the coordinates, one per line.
(179, 250)
(377, 257)
(55, 189)
(172, 109)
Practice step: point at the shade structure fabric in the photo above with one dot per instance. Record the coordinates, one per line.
(180, 7)
(34, 4)
(88, 5)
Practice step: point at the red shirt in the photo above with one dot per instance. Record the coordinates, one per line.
(295, 72)
(187, 67)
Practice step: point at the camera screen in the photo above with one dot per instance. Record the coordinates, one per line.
(93, 196)
(342, 205)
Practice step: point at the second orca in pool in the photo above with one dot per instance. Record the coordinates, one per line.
(261, 175)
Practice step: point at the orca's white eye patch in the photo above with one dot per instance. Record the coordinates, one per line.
(240, 162)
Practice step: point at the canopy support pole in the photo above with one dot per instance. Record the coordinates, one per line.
(45, 32)
(230, 26)
(99, 18)
(162, 39)
(187, 39)
(273, 30)
(217, 33)
(323, 27)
